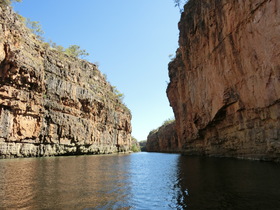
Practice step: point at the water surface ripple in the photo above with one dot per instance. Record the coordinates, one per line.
(138, 181)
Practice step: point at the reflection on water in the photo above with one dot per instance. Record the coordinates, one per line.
(214, 183)
(138, 181)
(64, 182)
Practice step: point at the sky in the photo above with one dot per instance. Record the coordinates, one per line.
(131, 40)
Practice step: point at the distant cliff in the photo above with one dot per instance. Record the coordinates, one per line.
(225, 79)
(163, 139)
(53, 104)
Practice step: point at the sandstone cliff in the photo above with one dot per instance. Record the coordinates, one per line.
(225, 79)
(53, 104)
(163, 139)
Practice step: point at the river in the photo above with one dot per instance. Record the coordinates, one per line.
(139, 181)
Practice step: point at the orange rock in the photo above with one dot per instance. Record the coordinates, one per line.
(225, 79)
(53, 104)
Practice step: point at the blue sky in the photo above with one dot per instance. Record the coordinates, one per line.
(130, 39)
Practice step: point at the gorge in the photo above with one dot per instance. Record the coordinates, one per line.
(224, 91)
(54, 104)
(225, 81)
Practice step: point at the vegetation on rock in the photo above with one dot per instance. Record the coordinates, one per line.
(76, 51)
(168, 121)
(165, 123)
(135, 147)
(36, 28)
(180, 4)
(143, 145)
(8, 2)
(119, 95)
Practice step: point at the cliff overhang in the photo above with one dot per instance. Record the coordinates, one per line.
(225, 79)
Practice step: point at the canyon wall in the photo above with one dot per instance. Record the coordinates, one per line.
(51, 103)
(163, 139)
(225, 80)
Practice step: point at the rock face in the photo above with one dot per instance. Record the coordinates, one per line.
(163, 139)
(225, 79)
(53, 104)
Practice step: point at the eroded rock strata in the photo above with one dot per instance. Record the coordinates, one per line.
(163, 139)
(53, 104)
(225, 79)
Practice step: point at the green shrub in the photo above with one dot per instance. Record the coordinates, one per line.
(76, 51)
(143, 145)
(118, 94)
(135, 148)
(135, 145)
(165, 123)
(168, 121)
(35, 27)
(9, 2)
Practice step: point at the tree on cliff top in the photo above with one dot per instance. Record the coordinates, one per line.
(180, 4)
(168, 121)
(8, 2)
(118, 94)
(165, 123)
(35, 28)
(76, 51)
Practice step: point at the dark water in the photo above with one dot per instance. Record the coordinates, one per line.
(138, 181)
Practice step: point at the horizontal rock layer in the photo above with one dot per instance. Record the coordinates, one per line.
(53, 104)
(225, 79)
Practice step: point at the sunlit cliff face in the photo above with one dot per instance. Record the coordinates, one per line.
(54, 104)
(224, 87)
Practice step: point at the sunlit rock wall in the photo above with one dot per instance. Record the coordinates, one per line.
(53, 104)
(225, 79)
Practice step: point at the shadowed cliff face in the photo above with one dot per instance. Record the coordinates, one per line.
(225, 79)
(53, 104)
